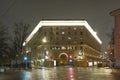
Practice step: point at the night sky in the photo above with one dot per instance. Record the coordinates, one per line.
(96, 12)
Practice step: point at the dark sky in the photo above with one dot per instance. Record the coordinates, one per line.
(96, 12)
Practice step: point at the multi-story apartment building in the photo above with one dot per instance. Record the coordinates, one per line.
(64, 42)
(116, 36)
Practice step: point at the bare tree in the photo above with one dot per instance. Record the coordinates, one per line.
(20, 34)
(3, 43)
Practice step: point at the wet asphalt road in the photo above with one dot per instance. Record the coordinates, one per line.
(62, 73)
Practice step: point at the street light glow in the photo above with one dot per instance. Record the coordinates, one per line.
(44, 40)
(25, 58)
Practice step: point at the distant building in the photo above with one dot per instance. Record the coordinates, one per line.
(64, 42)
(116, 14)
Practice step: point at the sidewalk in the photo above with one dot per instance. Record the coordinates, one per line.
(16, 69)
(115, 70)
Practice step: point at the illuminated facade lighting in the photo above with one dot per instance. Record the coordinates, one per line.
(44, 40)
(63, 23)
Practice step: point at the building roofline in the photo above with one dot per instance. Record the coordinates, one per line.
(62, 19)
(115, 12)
(62, 23)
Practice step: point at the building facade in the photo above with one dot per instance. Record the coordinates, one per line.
(116, 14)
(64, 43)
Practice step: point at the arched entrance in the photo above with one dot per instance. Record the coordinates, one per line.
(63, 59)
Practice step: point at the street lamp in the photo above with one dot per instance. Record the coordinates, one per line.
(44, 40)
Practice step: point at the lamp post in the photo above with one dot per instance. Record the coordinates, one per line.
(44, 40)
(70, 58)
(80, 55)
(25, 59)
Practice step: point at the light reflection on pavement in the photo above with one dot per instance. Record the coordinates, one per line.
(62, 73)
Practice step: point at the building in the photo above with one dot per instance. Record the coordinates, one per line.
(64, 42)
(116, 14)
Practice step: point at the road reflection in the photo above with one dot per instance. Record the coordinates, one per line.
(65, 73)
(71, 74)
(62, 73)
(26, 75)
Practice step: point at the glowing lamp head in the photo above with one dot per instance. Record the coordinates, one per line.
(44, 40)
(25, 58)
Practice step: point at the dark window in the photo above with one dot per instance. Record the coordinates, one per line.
(75, 33)
(81, 47)
(51, 38)
(75, 47)
(69, 27)
(81, 43)
(51, 28)
(69, 33)
(51, 47)
(45, 33)
(81, 33)
(57, 33)
(57, 28)
(63, 38)
(51, 33)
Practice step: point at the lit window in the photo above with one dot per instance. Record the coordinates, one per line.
(58, 48)
(69, 38)
(75, 28)
(63, 47)
(63, 33)
(90, 64)
(69, 47)
(95, 63)
(44, 40)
